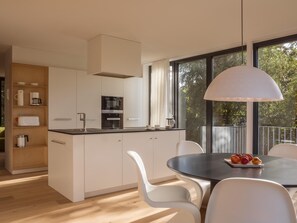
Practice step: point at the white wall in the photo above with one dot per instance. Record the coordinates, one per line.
(47, 58)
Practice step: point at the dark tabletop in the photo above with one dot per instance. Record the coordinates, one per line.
(212, 167)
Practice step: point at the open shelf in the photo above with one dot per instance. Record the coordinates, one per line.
(32, 147)
(34, 155)
(29, 106)
(15, 85)
(29, 127)
(29, 166)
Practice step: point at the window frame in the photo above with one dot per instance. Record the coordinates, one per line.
(209, 77)
(256, 47)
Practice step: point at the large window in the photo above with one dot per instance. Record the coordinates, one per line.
(278, 120)
(229, 118)
(218, 126)
(191, 105)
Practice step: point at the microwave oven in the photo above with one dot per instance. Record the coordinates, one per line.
(109, 103)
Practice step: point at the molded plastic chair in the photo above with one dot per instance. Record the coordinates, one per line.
(285, 150)
(171, 196)
(202, 187)
(247, 200)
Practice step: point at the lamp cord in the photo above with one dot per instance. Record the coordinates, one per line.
(242, 32)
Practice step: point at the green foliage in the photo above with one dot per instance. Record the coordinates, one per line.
(280, 61)
(192, 86)
(228, 113)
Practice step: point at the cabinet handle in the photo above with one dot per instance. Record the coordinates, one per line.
(133, 119)
(156, 138)
(58, 142)
(62, 119)
(113, 119)
(151, 138)
(119, 140)
(91, 119)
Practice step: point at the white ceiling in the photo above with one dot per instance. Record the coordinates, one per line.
(165, 28)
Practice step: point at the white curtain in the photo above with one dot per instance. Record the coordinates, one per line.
(159, 92)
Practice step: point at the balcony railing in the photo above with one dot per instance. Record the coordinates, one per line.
(232, 139)
(272, 135)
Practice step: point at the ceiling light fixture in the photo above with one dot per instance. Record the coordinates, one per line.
(243, 83)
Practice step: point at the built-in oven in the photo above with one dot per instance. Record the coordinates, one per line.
(112, 112)
(112, 120)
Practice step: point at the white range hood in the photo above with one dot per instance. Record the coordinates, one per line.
(114, 57)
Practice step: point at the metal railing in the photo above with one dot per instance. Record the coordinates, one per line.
(272, 135)
(232, 139)
(226, 139)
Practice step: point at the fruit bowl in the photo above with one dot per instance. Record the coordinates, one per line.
(240, 165)
(244, 160)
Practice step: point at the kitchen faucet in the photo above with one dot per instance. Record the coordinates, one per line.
(82, 117)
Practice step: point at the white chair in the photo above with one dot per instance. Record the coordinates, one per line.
(247, 200)
(285, 150)
(171, 196)
(202, 187)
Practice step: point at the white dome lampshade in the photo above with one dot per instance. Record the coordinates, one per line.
(243, 84)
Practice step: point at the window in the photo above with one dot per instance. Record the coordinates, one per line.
(191, 105)
(277, 120)
(217, 127)
(229, 118)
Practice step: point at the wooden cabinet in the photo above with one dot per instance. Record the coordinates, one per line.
(112, 87)
(89, 99)
(62, 98)
(103, 161)
(133, 114)
(33, 156)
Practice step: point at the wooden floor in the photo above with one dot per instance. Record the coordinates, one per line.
(27, 198)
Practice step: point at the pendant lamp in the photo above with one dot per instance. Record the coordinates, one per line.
(243, 83)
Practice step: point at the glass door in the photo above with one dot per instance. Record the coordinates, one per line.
(191, 105)
(277, 120)
(229, 118)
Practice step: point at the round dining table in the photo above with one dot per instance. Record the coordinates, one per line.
(212, 167)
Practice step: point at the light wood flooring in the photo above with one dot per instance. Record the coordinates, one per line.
(27, 198)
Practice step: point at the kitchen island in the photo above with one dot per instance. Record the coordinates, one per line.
(88, 163)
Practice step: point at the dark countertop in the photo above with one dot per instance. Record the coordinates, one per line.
(105, 131)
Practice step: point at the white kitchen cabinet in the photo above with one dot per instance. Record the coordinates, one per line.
(164, 149)
(155, 148)
(142, 143)
(103, 161)
(133, 107)
(91, 164)
(112, 86)
(62, 98)
(66, 165)
(89, 99)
